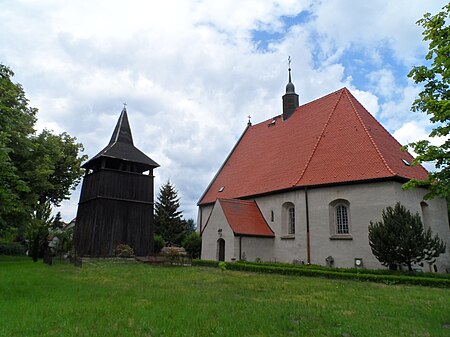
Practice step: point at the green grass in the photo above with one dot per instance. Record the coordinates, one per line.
(132, 299)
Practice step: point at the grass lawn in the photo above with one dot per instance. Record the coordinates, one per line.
(132, 299)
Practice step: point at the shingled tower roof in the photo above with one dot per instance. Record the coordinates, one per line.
(332, 140)
(121, 147)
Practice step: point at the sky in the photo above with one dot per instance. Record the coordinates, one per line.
(191, 72)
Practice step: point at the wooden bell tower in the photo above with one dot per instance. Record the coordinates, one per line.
(116, 201)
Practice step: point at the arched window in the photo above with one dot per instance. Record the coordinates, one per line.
(425, 214)
(288, 218)
(340, 220)
(291, 220)
(341, 213)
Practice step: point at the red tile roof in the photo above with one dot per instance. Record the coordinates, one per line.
(331, 140)
(245, 218)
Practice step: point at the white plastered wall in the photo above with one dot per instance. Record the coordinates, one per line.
(217, 227)
(366, 204)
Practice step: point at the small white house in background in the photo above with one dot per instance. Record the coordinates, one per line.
(303, 186)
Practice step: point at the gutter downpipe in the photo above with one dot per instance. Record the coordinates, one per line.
(240, 248)
(308, 244)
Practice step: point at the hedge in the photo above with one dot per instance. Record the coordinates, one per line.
(12, 248)
(334, 273)
(352, 270)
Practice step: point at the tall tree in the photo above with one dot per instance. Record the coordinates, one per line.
(17, 121)
(435, 101)
(168, 219)
(400, 239)
(54, 168)
(36, 171)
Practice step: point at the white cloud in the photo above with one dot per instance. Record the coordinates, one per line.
(413, 132)
(191, 73)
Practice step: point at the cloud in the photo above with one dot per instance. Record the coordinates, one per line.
(191, 71)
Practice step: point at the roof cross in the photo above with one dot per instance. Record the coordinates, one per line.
(249, 120)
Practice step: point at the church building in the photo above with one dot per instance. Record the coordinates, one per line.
(303, 186)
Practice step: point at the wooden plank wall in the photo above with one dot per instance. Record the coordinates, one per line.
(115, 207)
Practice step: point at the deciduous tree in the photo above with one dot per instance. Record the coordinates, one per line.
(435, 101)
(37, 171)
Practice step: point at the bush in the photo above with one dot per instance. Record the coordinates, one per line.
(12, 248)
(158, 243)
(205, 263)
(326, 272)
(193, 245)
(123, 250)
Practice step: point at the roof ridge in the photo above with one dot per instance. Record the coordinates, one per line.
(300, 106)
(320, 138)
(369, 135)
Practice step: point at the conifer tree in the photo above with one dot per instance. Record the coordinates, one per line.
(168, 219)
(400, 239)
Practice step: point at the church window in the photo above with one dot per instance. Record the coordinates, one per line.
(340, 220)
(291, 220)
(288, 219)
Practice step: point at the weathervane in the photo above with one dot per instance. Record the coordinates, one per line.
(249, 120)
(289, 62)
(124, 105)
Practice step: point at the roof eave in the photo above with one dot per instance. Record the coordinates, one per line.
(397, 178)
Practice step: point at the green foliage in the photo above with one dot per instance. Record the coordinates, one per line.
(16, 125)
(12, 248)
(123, 250)
(193, 245)
(205, 263)
(34, 169)
(158, 243)
(222, 266)
(435, 101)
(168, 219)
(62, 242)
(385, 272)
(57, 222)
(37, 231)
(55, 166)
(174, 255)
(401, 239)
(327, 272)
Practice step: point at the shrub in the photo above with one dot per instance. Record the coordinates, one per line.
(400, 239)
(205, 263)
(326, 272)
(158, 243)
(123, 250)
(12, 248)
(193, 245)
(174, 255)
(222, 265)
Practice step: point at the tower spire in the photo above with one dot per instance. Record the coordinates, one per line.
(290, 98)
(289, 68)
